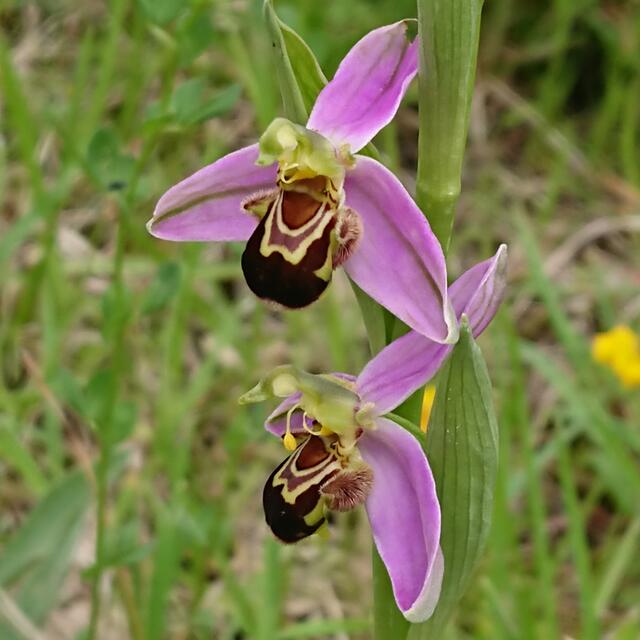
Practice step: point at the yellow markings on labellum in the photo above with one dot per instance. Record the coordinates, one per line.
(317, 513)
(320, 220)
(326, 270)
(289, 176)
(309, 477)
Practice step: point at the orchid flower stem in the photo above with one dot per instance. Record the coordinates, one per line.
(449, 32)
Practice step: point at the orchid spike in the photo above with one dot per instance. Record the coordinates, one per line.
(306, 203)
(345, 453)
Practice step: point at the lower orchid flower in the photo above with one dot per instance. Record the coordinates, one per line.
(345, 453)
(305, 203)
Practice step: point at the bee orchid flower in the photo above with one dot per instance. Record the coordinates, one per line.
(344, 452)
(305, 202)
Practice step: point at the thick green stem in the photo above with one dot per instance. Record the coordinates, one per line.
(449, 32)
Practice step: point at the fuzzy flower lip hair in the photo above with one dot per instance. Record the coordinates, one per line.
(305, 202)
(344, 452)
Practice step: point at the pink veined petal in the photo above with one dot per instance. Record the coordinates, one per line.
(398, 260)
(404, 513)
(366, 91)
(478, 292)
(400, 369)
(412, 360)
(206, 206)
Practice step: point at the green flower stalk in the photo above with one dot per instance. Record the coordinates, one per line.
(449, 31)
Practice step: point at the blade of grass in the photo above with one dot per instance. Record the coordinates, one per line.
(619, 564)
(590, 627)
(322, 629)
(272, 586)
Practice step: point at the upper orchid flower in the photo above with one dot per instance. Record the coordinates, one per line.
(345, 453)
(306, 203)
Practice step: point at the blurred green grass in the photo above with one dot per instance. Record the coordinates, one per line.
(122, 357)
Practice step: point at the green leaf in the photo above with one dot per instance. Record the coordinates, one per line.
(67, 389)
(106, 161)
(374, 319)
(37, 558)
(18, 456)
(163, 288)
(305, 67)
(189, 105)
(185, 96)
(162, 11)
(124, 546)
(117, 307)
(114, 420)
(292, 100)
(462, 447)
(16, 234)
(220, 104)
(124, 418)
(194, 35)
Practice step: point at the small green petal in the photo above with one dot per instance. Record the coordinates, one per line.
(294, 146)
(324, 398)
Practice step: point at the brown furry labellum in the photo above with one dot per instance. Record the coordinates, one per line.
(314, 478)
(303, 234)
(293, 505)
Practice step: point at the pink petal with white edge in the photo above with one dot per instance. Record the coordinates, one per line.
(412, 360)
(366, 91)
(478, 292)
(206, 206)
(404, 513)
(398, 260)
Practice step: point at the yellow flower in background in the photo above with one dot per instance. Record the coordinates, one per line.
(619, 350)
(427, 404)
